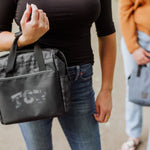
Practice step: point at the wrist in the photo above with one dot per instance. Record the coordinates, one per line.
(105, 92)
(106, 89)
(107, 86)
(21, 41)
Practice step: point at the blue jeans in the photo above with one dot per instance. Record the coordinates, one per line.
(79, 125)
(134, 112)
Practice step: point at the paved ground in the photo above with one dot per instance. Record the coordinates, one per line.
(112, 133)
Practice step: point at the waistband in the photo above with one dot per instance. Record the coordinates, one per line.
(144, 40)
(80, 70)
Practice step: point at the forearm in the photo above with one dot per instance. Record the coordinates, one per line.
(107, 53)
(6, 40)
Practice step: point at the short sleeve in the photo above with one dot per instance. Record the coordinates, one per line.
(104, 23)
(7, 14)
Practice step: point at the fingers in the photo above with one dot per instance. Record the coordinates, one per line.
(144, 57)
(36, 27)
(107, 116)
(141, 56)
(35, 14)
(101, 115)
(147, 57)
(47, 22)
(43, 20)
(147, 53)
(103, 106)
(39, 16)
(42, 15)
(26, 14)
(144, 60)
(97, 115)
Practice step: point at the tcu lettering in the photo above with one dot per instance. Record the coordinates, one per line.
(28, 97)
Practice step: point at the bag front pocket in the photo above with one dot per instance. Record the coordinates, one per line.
(30, 97)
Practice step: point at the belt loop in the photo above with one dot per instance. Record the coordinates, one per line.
(77, 72)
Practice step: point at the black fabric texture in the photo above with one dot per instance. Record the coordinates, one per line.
(49, 94)
(70, 23)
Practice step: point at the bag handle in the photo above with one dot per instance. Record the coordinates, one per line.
(139, 70)
(37, 53)
(13, 53)
(39, 57)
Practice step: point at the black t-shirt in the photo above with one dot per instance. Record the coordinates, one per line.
(70, 23)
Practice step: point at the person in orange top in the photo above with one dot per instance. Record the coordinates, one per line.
(135, 45)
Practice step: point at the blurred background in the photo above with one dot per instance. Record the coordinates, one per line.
(113, 132)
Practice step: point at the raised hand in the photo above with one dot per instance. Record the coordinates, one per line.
(35, 28)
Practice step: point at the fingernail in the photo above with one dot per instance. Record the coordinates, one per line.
(96, 115)
(27, 5)
(33, 5)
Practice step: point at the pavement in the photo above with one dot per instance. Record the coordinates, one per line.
(112, 133)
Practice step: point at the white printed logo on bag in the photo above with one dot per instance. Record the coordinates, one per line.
(28, 97)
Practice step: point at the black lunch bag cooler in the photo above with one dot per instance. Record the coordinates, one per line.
(34, 84)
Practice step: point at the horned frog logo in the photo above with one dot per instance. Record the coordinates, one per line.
(28, 97)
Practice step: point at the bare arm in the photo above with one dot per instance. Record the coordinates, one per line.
(39, 22)
(6, 39)
(107, 52)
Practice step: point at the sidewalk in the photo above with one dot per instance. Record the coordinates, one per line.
(112, 133)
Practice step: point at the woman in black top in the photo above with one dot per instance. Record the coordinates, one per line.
(65, 24)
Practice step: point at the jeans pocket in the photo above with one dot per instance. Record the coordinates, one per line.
(86, 72)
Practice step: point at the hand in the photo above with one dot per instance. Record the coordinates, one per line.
(35, 28)
(141, 56)
(103, 106)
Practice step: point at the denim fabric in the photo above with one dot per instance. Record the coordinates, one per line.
(79, 125)
(148, 142)
(134, 112)
(144, 40)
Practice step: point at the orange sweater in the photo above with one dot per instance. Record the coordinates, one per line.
(134, 15)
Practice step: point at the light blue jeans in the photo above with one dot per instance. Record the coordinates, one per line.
(133, 112)
(79, 125)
